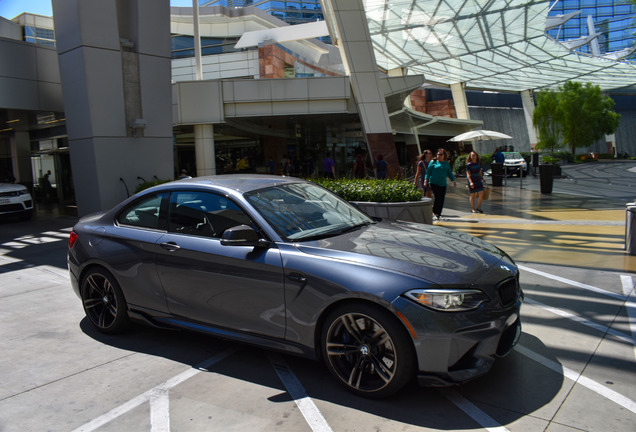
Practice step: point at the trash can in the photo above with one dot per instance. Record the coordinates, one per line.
(497, 173)
(546, 178)
(630, 229)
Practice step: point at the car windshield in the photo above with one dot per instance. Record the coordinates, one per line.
(513, 155)
(305, 211)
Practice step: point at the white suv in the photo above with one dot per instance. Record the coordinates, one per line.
(15, 199)
(514, 162)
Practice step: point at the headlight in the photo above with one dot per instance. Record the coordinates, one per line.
(451, 300)
(23, 192)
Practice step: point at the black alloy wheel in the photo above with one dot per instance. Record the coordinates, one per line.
(368, 350)
(104, 302)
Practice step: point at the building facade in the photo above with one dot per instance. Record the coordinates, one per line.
(614, 21)
(277, 99)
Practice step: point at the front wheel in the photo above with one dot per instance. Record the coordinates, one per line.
(104, 301)
(368, 350)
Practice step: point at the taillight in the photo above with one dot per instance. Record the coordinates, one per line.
(72, 239)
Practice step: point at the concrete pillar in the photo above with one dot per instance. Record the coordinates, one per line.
(21, 157)
(527, 100)
(115, 68)
(610, 141)
(459, 98)
(353, 38)
(204, 149)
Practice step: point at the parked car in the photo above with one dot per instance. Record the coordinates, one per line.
(513, 164)
(15, 199)
(285, 264)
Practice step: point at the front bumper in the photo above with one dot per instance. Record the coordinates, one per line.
(455, 347)
(15, 204)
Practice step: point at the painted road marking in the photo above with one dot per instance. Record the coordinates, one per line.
(307, 407)
(568, 315)
(475, 413)
(158, 419)
(628, 288)
(573, 283)
(600, 389)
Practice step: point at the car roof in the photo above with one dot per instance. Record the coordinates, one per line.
(239, 182)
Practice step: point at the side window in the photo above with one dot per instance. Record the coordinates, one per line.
(204, 214)
(143, 213)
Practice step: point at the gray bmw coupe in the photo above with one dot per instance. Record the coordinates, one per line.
(287, 265)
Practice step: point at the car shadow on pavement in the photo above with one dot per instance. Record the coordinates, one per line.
(516, 386)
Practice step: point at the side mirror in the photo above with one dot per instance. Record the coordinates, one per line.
(242, 235)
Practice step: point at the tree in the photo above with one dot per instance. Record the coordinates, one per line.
(577, 115)
(546, 120)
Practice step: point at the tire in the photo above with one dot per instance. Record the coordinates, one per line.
(104, 302)
(368, 350)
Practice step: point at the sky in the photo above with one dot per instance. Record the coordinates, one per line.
(10, 9)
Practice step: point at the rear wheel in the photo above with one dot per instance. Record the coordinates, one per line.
(368, 350)
(104, 301)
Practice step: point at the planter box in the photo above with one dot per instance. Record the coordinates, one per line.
(412, 211)
(546, 177)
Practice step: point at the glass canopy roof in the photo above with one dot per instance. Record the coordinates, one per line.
(487, 44)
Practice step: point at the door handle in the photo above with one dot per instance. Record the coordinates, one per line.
(171, 246)
(297, 277)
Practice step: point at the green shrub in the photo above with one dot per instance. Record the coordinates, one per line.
(149, 184)
(549, 159)
(372, 190)
(459, 167)
(460, 164)
(564, 155)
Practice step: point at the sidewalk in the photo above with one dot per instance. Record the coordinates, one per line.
(570, 227)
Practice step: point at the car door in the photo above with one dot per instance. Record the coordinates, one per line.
(129, 248)
(236, 287)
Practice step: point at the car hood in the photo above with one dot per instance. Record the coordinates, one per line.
(10, 187)
(438, 255)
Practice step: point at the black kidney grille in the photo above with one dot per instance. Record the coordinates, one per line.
(508, 291)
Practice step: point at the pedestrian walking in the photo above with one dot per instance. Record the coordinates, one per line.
(498, 156)
(380, 168)
(475, 178)
(329, 167)
(438, 170)
(359, 170)
(423, 161)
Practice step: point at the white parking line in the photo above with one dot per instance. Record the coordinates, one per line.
(475, 413)
(309, 410)
(568, 315)
(160, 410)
(628, 288)
(573, 283)
(158, 414)
(600, 389)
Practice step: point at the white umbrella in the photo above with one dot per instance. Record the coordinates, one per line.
(480, 134)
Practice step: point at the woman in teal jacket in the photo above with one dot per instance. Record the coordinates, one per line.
(436, 173)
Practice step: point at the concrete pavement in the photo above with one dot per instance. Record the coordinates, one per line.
(581, 224)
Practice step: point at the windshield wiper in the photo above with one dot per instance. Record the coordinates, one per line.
(333, 233)
(354, 227)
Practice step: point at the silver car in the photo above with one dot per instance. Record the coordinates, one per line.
(285, 264)
(514, 163)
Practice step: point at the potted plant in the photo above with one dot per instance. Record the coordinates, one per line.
(546, 174)
(387, 199)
